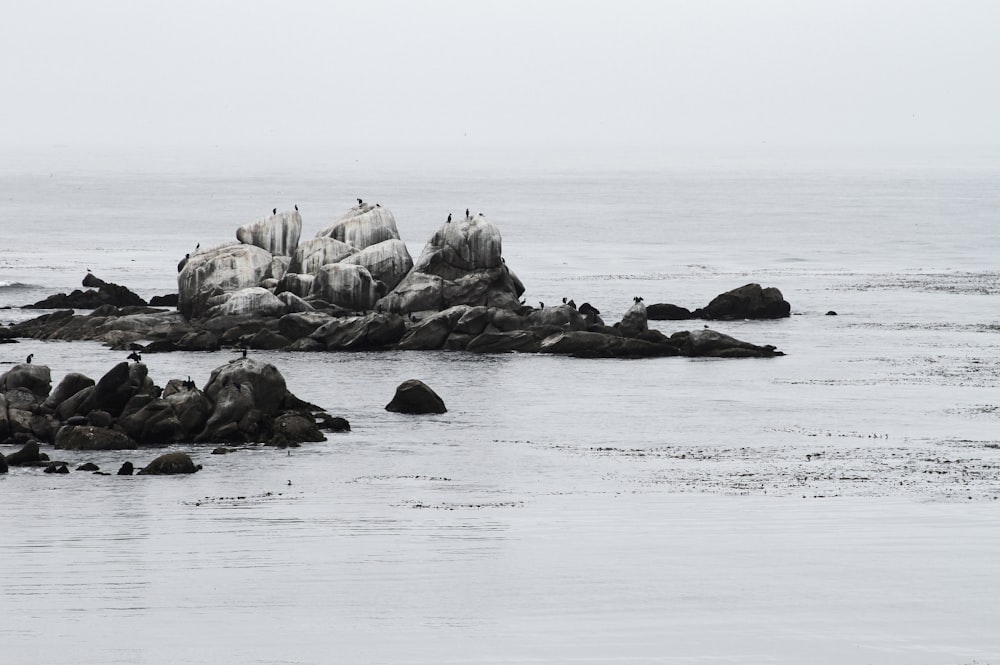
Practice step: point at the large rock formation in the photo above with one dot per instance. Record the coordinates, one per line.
(362, 226)
(98, 293)
(216, 271)
(278, 234)
(346, 285)
(387, 261)
(460, 265)
(747, 302)
(313, 254)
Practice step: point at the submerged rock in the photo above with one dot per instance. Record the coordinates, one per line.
(170, 464)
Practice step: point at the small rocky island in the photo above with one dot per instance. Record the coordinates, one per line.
(354, 286)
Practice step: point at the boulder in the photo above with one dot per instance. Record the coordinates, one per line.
(362, 226)
(313, 254)
(73, 405)
(388, 261)
(233, 417)
(434, 330)
(251, 300)
(4, 419)
(266, 384)
(290, 429)
(154, 423)
(298, 284)
(220, 270)
(170, 464)
(747, 302)
(301, 324)
(36, 379)
(371, 331)
(203, 340)
(3, 464)
(667, 312)
(294, 304)
(560, 316)
(190, 404)
(126, 469)
(708, 342)
(274, 274)
(85, 437)
(116, 388)
(522, 341)
(30, 454)
(277, 234)
(98, 293)
(346, 285)
(415, 397)
(586, 344)
(634, 321)
(268, 340)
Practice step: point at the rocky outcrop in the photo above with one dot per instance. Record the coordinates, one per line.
(460, 265)
(667, 312)
(311, 255)
(170, 464)
(277, 234)
(346, 285)
(213, 272)
(634, 322)
(35, 378)
(357, 333)
(388, 261)
(251, 300)
(747, 302)
(98, 293)
(709, 343)
(362, 226)
(86, 437)
(415, 397)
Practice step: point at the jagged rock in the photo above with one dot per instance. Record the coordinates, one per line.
(667, 312)
(248, 301)
(313, 254)
(156, 422)
(126, 469)
(97, 294)
(522, 341)
(85, 437)
(747, 302)
(460, 265)
(36, 379)
(388, 261)
(560, 316)
(29, 455)
(277, 234)
(415, 397)
(292, 429)
(433, 330)
(371, 331)
(297, 284)
(223, 269)
(71, 384)
(170, 464)
(634, 321)
(362, 226)
(346, 285)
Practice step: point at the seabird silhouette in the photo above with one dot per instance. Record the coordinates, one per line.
(28, 359)
(135, 356)
(360, 202)
(466, 213)
(541, 305)
(449, 218)
(296, 207)
(564, 300)
(244, 351)
(274, 212)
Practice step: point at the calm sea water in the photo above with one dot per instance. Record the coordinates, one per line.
(836, 505)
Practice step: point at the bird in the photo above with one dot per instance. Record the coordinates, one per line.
(244, 352)
(541, 305)
(274, 212)
(466, 213)
(135, 356)
(378, 205)
(637, 299)
(197, 247)
(449, 218)
(296, 207)
(564, 300)
(28, 359)
(360, 202)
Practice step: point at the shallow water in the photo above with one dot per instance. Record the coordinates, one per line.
(835, 505)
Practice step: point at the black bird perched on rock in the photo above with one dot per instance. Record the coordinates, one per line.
(360, 202)
(197, 247)
(28, 359)
(449, 218)
(466, 213)
(189, 384)
(135, 356)
(274, 212)
(244, 349)
(541, 305)
(637, 299)
(296, 207)
(564, 300)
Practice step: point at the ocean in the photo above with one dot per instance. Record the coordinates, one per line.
(835, 505)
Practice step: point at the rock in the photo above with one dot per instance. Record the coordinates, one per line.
(362, 226)
(505, 320)
(126, 469)
(268, 340)
(88, 466)
(333, 423)
(71, 384)
(313, 254)
(460, 265)
(267, 385)
(586, 344)
(667, 312)
(170, 464)
(29, 454)
(634, 321)
(292, 429)
(234, 417)
(831, 313)
(57, 467)
(36, 379)
(73, 406)
(434, 330)
(203, 340)
(591, 314)
(98, 418)
(274, 274)
(116, 388)
(708, 342)
(388, 261)
(297, 284)
(86, 437)
(294, 304)
(248, 301)
(99, 293)
(277, 234)
(220, 270)
(522, 341)
(561, 316)
(415, 397)
(746, 302)
(155, 423)
(169, 300)
(3, 464)
(301, 324)
(474, 320)
(190, 404)
(371, 331)
(346, 285)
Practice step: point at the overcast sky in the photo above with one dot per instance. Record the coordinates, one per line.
(467, 73)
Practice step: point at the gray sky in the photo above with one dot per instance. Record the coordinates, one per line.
(784, 72)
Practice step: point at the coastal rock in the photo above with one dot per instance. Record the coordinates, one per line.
(346, 285)
(415, 397)
(190, 404)
(251, 300)
(277, 270)
(267, 386)
(708, 342)
(203, 340)
(585, 344)
(371, 331)
(277, 234)
(460, 265)
(311, 255)
(154, 423)
(301, 324)
(747, 302)
(116, 388)
(634, 321)
(3, 464)
(126, 469)
(294, 304)
(36, 379)
(97, 294)
(268, 340)
(667, 312)
(521, 341)
(170, 464)
(295, 283)
(560, 316)
(219, 270)
(388, 261)
(29, 455)
(362, 226)
(291, 429)
(233, 418)
(434, 330)
(86, 437)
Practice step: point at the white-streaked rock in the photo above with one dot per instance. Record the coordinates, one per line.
(254, 299)
(293, 303)
(278, 234)
(300, 285)
(346, 285)
(313, 254)
(219, 270)
(279, 266)
(387, 261)
(362, 226)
